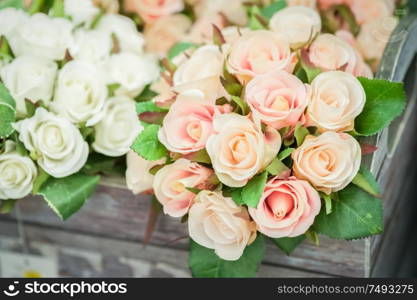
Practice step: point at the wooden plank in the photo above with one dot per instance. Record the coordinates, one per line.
(81, 255)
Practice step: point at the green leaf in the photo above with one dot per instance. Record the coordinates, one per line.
(243, 106)
(277, 167)
(385, 101)
(57, 9)
(200, 157)
(112, 88)
(146, 95)
(327, 202)
(313, 237)
(39, 181)
(7, 112)
(366, 181)
(270, 10)
(12, 3)
(6, 54)
(285, 153)
(179, 48)
(311, 72)
(356, 214)
(237, 196)
(288, 245)
(147, 144)
(254, 18)
(150, 113)
(101, 164)
(148, 106)
(233, 88)
(7, 206)
(204, 263)
(67, 195)
(300, 134)
(252, 191)
(36, 6)
(346, 14)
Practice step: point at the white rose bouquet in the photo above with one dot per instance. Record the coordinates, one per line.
(258, 134)
(70, 72)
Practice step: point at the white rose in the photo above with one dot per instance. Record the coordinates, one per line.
(29, 77)
(124, 29)
(81, 93)
(116, 132)
(17, 173)
(81, 11)
(299, 23)
(91, 45)
(133, 72)
(56, 144)
(10, 18)
(42, 36)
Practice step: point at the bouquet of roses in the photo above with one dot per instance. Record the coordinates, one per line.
(70, 71)
(258, 135)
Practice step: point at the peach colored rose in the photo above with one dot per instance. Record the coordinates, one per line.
(233, 10)
(329, 52)
(188, 124)
(287, 208)
(336, 99)
(299, 23)
(325, 4)
(138, 178)
(151, 10)
(239, 149)
(329, 162)
(371, 10)
(171, 182)
(277, 98)
(259, 52)
(165, 32)
(202, 30)
(307, 3)
(216, 222)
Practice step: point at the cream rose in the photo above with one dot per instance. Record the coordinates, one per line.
(165, 32)
(336, 99)
(216, 222)
(124, 29)
(287, 208)
(151, 10)
(29, 77)
(329, 162)
(233, 10)
(171, 182)
(17, 173)
(277, 99)
(299, 23)
(259, 52)
(188, 124)
(118, 129)
(10, 19)
(371, 10)
(80, 93)
(54, 142)
(41, 36)
(138, 176)
(239, 149)
(81, 11)
(133, 72)
(91, 46)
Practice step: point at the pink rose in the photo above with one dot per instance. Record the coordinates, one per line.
(202, 30)
(287, 208)
(216, 222)
(371, 10)
(278, 98)
(325, 4)
(151, 10)
(259, 52)
(171, 183)
(239, 149)
(188, 124)
(233, 10)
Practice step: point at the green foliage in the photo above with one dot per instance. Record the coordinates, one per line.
(7, 112)
(147, 144)
(288, 245)
(366, 181)
(252, 191)
(270, 10)
(179, 48)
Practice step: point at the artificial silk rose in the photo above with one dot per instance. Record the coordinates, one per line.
(118, 128)
(233, 10)
(91, 45)
(216, 222)
(124, 30)
(307, 3)
(80, 93)
(29, 77)
(10, 19)
(371, 10)
(329, 162)
(287, 208)
(171, 182)
(188, 124)
(299, 23)
(259, 52)
(17, 173)
(377, 34)
(151, 10)
(138, 176)
(81, 11)
(329, 52)
(239, 149)
(202, 30)
(132, 72)
(41, 36)
(54, 142)
(277, 98)
(336, 99)
(165, 32)
(201, 71)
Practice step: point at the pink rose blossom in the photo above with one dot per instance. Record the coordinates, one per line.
(151, 10)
